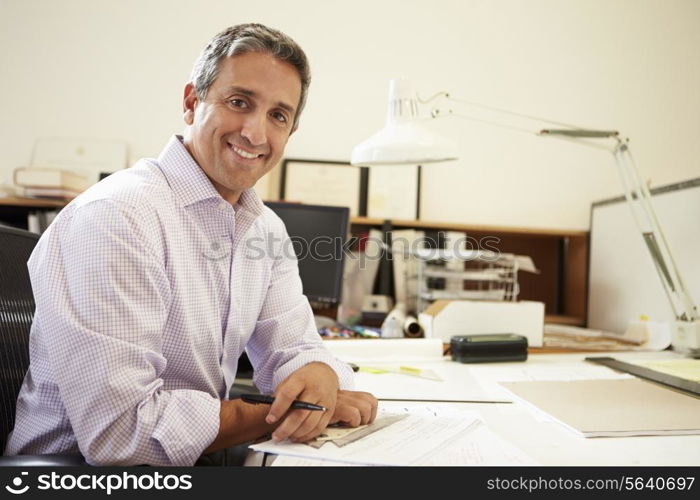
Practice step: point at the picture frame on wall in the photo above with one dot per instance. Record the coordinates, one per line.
(325, 182)
(268, 186)
(393, 192)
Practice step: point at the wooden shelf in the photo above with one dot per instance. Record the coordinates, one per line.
(560, 255)
(13, 201)
(448, 226)
(565, 320)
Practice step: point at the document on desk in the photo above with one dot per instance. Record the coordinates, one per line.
(426, 375)
(430, 435)
(449, 381)
(609, 408)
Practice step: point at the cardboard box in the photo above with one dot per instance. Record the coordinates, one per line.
(445, 318)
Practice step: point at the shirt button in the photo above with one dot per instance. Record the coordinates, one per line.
(223, 205)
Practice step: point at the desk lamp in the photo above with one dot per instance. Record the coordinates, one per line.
(405, 140)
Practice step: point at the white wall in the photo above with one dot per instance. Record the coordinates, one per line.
(116, 69)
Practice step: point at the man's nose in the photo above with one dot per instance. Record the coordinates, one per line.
(254, 129)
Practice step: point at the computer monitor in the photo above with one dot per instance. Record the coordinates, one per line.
(318, 234)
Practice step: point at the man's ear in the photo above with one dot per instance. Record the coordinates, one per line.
(189, 103)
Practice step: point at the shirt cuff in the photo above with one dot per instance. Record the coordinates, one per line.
(346, 379)
(189, 424)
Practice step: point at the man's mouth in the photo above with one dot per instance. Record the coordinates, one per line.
(245, 154)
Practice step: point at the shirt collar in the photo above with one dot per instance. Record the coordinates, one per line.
(189, 182)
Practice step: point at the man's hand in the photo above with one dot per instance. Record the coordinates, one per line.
(350, 407)
(314, 383)
(355, 408)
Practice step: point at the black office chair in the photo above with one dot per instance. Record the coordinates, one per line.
(16, 314)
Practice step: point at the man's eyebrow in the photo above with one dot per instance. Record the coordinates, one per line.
(235, 89)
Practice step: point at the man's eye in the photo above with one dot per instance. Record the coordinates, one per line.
(280, 117)
(238, 103)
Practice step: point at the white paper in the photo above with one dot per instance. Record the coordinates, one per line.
(289, 461)
(480, 446)
(405, 442)
(431, 435)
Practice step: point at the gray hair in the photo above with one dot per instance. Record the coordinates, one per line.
(244, 38)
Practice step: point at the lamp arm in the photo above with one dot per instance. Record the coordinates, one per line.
(404, 141)
(439, 112)
(637, 195)
(685, 331)
(639, 199)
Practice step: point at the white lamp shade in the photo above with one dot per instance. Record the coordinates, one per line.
(403, 143)
(404, 140)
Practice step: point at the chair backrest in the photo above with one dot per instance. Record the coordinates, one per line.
(16, 314)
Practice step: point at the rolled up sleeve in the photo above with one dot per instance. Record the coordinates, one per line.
(102, 306)
(285, 337)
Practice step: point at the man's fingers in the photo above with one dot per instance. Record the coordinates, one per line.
(368, 408)
(373, 413)
(310, 424)
(308, 432)
(291, 423)
(363, 402)
(284, 397)
(349, 415)
(279, 407)
(301, 425)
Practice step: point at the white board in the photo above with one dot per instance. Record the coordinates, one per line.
(623, 283)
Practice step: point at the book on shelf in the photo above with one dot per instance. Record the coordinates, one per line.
(50, 178)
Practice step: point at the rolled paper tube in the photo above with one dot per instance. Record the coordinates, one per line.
(411, 328)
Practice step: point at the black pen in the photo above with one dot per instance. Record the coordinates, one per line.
(268, 400)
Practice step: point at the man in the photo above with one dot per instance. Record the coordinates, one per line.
(146, 295)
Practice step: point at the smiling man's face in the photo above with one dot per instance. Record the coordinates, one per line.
(238, 132)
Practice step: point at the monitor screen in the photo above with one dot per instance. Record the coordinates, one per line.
(318, 234)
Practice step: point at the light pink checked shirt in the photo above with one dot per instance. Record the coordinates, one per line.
(148, 288)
